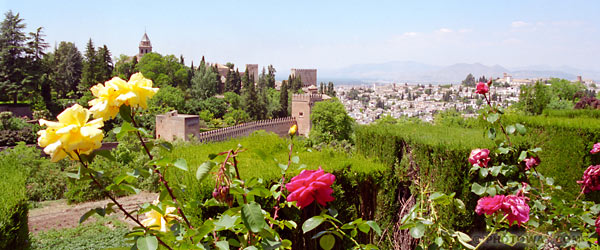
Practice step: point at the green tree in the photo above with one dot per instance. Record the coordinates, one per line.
(271, 76)
(204, 82)
(163, 70)
(105, 64)
(125, 66)
(330, 121)
(67, 68)
(233, 100)
(469, 81)
(250, 99)
(38, 70)
(238, 116)
(283, 99)
(13, 59)
(564, 89)
(216, 106)
(90, 67)
(330, 90)
(533, 99)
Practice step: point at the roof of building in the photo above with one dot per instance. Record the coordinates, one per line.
(145, 40)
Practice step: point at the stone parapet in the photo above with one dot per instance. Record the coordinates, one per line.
(279, 126)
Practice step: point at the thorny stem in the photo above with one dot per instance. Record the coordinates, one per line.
(345, 235)
(489, 102)
(119, 205)
(490, 234)
(282, 183)
(160, 175)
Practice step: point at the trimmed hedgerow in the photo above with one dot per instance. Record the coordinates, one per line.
(434, 155)
(566, 144)
(14, 233)
(572, 113)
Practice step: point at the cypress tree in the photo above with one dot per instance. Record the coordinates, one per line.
(90, 66)
(283, 99)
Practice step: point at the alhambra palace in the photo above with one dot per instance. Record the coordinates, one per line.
(172, 125)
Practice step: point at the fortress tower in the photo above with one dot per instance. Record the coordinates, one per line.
(145, 46)
(302, 105)
(308, 76)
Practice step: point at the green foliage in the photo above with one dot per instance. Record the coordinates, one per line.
(204, 83)
(13, 57)
(14, 232)
(163, 70)
(237, 116)
(233, 100)
(101, 234)
(125, 66)
(534, 99)
(68, 64)
(574, 113)
(330, 122)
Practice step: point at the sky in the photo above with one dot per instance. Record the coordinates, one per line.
(331, 34)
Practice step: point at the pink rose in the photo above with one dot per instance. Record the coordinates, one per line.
(531, 162)
(516, 208)
(597, 224)
(596, 148)
(311, 185)
(482, 88)
(479, 157)
(591, 179)
(489, 205)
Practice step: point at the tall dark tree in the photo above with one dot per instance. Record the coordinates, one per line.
(322, 88)
(38, 69)
(89, 71)
(271, 76)
(330, 90)
(237, 82)
(283, 99)
(67, 68)
(105, 64)
(250, 101)
(13, 58)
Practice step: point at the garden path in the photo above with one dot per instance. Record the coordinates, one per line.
(58, 214)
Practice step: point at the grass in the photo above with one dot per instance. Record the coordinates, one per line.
(264, 152)
(101, 234)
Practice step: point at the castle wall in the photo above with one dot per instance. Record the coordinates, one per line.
(172, 126)
(308, 76)
(253, 70)
(279, 126)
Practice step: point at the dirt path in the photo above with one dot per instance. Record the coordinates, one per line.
(57, 214)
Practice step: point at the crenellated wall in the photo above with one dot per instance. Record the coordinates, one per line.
(279, 126)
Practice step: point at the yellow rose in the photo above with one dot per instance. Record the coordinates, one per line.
(137, 91)
(106, 105)
(72, 133)
(156, 220)
(293, 130)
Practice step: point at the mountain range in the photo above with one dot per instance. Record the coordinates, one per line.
(416, 72)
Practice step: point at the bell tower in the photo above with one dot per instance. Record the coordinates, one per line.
(145, 46)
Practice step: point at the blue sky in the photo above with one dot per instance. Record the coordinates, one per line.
(331, 34)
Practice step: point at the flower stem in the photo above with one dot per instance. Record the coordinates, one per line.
(282, 183)
(119, 205)
(344, 234)
(160, 175)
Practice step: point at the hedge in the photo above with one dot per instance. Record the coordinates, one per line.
(434, 155)
(566, 144)
(14, 233)
(355, 188)
(572, 113)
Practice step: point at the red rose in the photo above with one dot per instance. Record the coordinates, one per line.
(482, 88)
(489, 205)
(311, 185)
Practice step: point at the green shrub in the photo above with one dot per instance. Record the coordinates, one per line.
(572, 113)
(101, 234)
(14, 233)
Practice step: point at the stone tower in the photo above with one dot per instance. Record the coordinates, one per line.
(302, 105)
(145, 46)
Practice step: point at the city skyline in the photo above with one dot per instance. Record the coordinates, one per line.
(333, 34)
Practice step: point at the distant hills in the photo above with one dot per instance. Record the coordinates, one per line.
(410, 71)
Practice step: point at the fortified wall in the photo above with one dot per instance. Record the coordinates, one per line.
(279, 126)
(308, 76)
